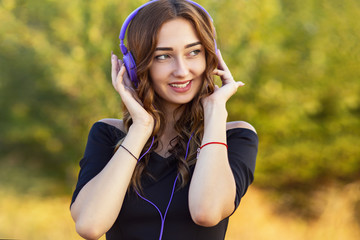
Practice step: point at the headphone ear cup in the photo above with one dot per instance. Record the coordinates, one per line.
(130, 66)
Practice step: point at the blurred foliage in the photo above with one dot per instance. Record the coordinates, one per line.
(299, 59)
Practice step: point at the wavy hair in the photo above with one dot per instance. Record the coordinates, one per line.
(142, 40)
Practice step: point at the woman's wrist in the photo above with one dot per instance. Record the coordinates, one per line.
(141, 129)
(215, 110)
(210, 103)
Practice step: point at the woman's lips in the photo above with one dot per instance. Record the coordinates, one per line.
(181, 86)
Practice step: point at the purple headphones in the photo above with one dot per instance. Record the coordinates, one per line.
(128, 59)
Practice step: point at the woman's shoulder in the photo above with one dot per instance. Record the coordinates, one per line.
(117, 123)
(239, 124)
(106, 131)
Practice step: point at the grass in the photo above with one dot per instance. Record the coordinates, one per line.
(37, 217)
(338, 209)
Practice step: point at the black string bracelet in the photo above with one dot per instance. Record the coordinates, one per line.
(129, 152)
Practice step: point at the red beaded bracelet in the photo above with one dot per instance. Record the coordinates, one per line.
(221, 143)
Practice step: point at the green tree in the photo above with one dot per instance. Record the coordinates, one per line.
(299, 60)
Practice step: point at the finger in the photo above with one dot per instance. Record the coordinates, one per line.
(126, 77)
(219, 72)
(119, 63)
(240, 83)
(114, 66)
(117, 82)
(124, 85)
(127, 80)
(224, 75)
(222, 65)
(120, 76)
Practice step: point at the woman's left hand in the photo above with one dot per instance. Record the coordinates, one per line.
(229, 85)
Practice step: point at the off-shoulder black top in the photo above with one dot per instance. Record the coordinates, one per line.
(140, 220)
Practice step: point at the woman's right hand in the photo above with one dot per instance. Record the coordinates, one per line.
(123, 86)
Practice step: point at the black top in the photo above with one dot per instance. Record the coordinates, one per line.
(138, 219)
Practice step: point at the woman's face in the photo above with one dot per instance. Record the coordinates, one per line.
(178, 64)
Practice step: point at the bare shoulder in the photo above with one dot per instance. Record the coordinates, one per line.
(239, 124)
(118, 123)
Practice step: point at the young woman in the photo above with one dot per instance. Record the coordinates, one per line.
(173, 168)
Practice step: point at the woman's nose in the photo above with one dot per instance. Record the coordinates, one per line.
(181, 68)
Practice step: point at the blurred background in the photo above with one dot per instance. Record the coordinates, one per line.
(300, 60)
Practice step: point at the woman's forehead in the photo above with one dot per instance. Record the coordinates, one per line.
(178, 31)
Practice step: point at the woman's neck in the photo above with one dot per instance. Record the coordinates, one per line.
(169, 132)
(172, 113)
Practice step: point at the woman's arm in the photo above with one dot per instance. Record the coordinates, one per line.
(99, 202)
(212, 188)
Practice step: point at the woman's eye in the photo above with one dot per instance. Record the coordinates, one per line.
(195, 52)
(162, 57)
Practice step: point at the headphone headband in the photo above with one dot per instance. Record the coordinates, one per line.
(128, 59)
(126, 24)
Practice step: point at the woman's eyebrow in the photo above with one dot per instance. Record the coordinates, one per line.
(171, 49)
(192, 44)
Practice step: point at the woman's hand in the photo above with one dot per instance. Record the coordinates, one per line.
(229, 85)
(123, 86)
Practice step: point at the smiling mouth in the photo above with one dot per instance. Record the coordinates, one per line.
(182, 85)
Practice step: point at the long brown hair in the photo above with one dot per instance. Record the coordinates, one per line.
(142, 40)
